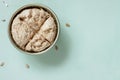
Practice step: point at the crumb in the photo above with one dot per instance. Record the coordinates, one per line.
(27, 66)
(3, 20)
(56, 47)
(67, 25)
(2, 64)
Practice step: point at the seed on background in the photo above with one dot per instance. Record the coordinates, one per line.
(56, 47)
(67, 25)
(2, 64)
(27, 66)
(5, 3)
(3, 20)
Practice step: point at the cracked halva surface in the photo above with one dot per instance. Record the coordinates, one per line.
(33, 29)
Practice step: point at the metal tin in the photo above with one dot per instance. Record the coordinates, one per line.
(33, 6)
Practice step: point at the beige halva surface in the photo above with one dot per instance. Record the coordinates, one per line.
(33, 29)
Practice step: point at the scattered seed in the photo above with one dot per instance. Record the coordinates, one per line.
(5, 3)
(3, 20)
(27, 66)
(67, 25)
(2, 64)
(56, 47)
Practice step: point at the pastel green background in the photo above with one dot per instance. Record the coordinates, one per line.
(88, 50)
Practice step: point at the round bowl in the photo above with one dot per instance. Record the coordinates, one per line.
(33, 6)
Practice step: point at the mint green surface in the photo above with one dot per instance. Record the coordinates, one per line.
(88, 50)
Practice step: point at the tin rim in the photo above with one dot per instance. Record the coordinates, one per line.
(33, 6)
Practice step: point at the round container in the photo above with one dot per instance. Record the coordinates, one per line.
(33, 6)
